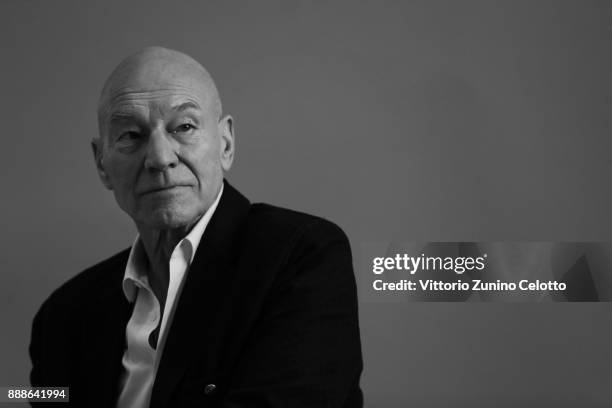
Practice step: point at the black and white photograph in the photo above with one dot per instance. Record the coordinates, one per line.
(338, 204)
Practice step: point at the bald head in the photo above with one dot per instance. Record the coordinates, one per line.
(163, 146)
(157, 69)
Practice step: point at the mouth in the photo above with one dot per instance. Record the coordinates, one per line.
(164, 189)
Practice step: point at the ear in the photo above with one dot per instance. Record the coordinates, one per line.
(96, 146)
(226, 130)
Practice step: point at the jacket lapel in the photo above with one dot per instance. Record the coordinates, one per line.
(203, 310)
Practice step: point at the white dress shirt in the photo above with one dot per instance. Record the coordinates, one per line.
(140, 360)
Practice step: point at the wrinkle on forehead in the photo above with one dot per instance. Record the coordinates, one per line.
(167, 97)
(157, 72)
(133, 95)
(150, 105)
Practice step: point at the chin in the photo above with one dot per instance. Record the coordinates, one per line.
(169, 219)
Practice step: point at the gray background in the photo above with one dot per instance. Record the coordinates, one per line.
(428, 121)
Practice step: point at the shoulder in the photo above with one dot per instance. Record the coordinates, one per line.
(307, 256)
(88, 285)
(288, 225)
(294, 241)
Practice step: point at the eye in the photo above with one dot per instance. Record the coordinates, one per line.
(129, 136)
(184, 128)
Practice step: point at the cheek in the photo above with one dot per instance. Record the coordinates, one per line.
(122, 174)
(206, 161)
(207, 175)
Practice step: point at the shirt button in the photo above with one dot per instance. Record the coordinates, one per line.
(210, 389)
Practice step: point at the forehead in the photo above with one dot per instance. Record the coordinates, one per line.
(156, 88)
(158, 102)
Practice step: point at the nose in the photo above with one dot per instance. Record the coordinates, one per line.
(160, 152)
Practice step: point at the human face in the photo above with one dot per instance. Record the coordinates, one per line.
(164, 153)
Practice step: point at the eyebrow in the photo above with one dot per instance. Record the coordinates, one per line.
(186, 105)
(122, 115)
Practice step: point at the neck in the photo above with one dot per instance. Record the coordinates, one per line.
(158, 245)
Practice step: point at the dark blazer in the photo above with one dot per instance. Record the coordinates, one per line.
(268, 315)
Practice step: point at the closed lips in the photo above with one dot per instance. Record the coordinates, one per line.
(156, 189)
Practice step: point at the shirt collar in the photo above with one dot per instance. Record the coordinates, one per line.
(136, 268)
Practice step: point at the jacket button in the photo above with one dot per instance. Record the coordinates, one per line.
(210, 389)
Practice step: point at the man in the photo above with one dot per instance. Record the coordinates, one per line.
(219, 302)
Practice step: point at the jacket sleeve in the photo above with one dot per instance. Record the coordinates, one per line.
(48, 354)
(36, 348)
(306, 350)
(37, 343)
